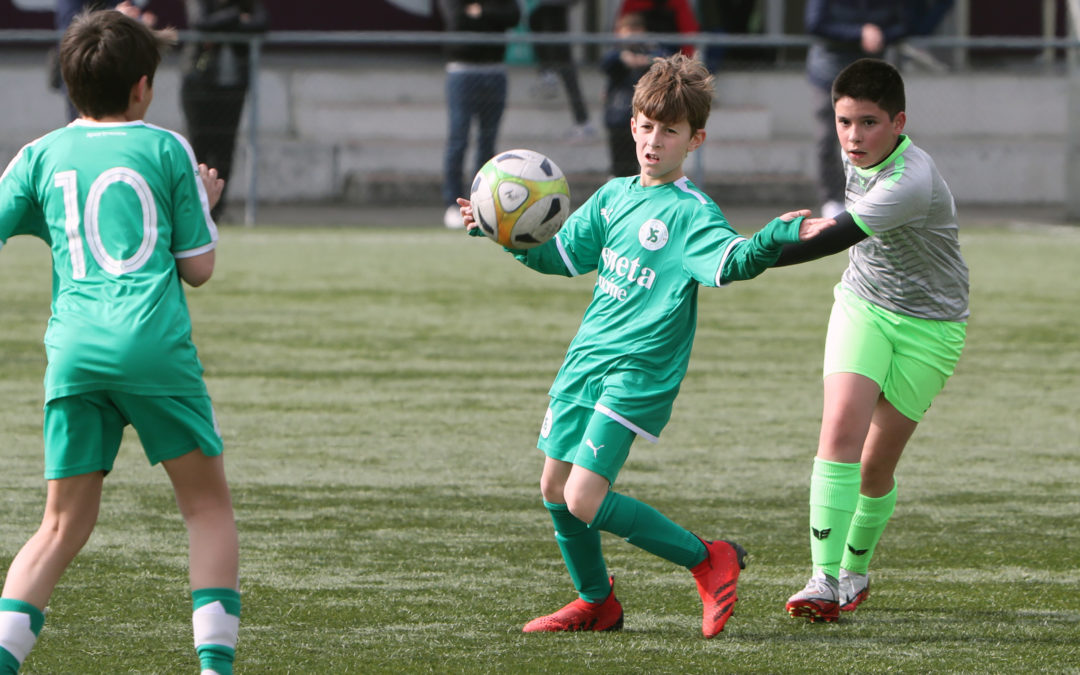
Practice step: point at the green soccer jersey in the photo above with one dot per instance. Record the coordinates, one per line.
(651, 248)
(118, 203)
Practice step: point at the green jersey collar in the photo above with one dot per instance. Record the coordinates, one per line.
(899, 150)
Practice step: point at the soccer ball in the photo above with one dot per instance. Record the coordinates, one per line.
(520, 198)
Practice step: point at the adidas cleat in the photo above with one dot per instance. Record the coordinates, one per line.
(716, 576)
(581, 615)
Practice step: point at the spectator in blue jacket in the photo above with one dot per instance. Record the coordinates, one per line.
(846, 31)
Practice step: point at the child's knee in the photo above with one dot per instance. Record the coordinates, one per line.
(583, 502)
(67, 533)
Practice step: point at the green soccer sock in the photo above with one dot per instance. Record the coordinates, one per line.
(580, 547)
(834, 492)
(216, 621)
(20, 624)
(648, 529)
(871, 516)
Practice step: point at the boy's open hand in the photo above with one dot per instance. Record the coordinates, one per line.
(212, 183)
(467, 215)
(809, 227)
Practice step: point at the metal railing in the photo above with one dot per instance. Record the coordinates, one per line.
(961, 47)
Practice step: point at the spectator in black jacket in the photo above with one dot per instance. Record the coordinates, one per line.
(215, 81)
(846, 31)
(475, 89)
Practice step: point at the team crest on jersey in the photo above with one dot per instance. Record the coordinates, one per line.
(545, 428)
(653, 234)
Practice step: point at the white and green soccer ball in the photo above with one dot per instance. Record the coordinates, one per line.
(520, 198)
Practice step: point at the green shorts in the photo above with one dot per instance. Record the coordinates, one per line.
(909, 358)
(585, 437)
(83, 431)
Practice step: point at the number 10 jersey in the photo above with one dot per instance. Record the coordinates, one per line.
(118, 203)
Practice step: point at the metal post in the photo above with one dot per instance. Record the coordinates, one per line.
(1072, 114)
(1049, 29)
(254, 54)
(774, 24)
(963, 30)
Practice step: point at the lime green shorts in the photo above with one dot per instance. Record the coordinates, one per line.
(83, 431)
(585, 437)
(909, 358)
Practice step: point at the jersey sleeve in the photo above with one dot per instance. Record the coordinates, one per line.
(194, 230)
(747, 258)
(897, 199)
(20, 212)
(575, 249)
(708, 240)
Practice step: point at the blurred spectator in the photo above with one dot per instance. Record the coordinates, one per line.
(556, 60)
(475, 89)
(624, 65)
(666, 16)
(924, 16)
(726, 17)
(66, 10)
(846, 30)
(215, 80)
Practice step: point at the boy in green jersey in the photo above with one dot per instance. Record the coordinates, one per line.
(653, 239)
(125, 209)
(895, 334)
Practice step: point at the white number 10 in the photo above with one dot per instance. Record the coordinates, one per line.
(66, 181)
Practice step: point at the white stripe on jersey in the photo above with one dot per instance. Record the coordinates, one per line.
(720, 270)
(15, 159)
(683, 184)
(566, 258)
(210, 224)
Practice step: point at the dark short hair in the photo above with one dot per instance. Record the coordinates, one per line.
(103, 54)
(674, 89)
(871, 80)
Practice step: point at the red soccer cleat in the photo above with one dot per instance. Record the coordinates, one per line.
(716, 576)
(581, 615)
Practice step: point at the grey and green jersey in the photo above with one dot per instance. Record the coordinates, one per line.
(117, 203)
(651, 248)
(911, 263)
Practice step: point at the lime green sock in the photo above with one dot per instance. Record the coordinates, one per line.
(834, 491)
(20, 624)
(580, 547)
(871, 516)
(648, 529)
(216, 622)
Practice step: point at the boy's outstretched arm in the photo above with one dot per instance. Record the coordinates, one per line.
(835, 235)
(747, 258)
(546, 258)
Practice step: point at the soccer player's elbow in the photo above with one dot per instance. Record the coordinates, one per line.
(196, 270)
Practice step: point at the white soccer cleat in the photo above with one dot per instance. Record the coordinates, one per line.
(854, 588)
(818, 601)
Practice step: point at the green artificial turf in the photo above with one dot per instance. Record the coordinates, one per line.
(380, 393)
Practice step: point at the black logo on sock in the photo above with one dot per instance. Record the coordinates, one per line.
(860, 551)
(821, 534)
